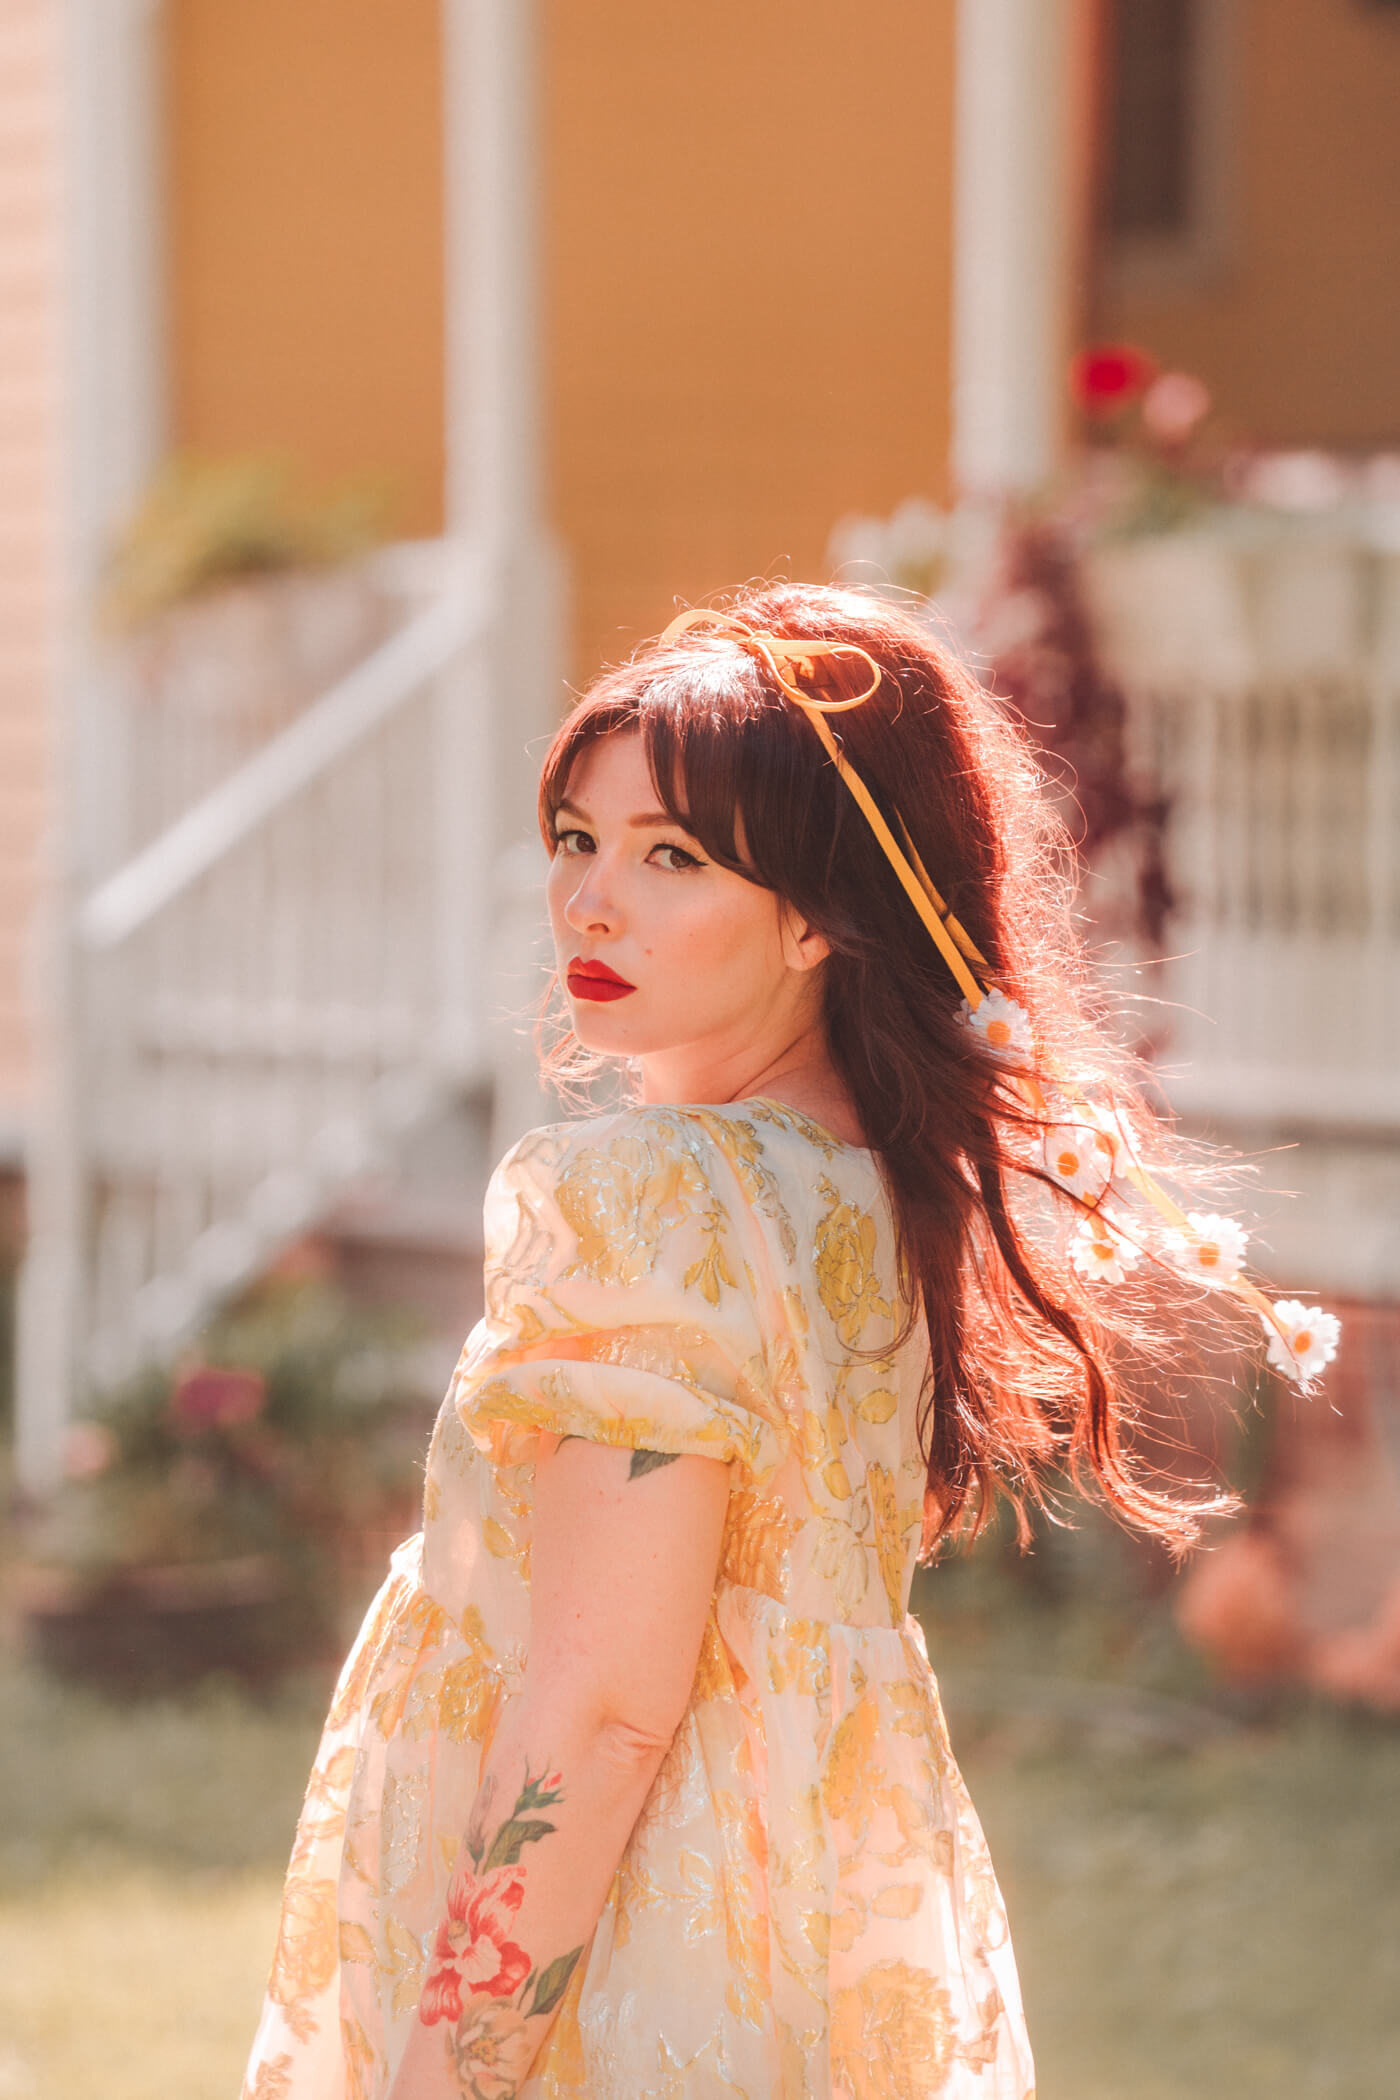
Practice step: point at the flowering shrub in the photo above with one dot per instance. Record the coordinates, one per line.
(292, 1421)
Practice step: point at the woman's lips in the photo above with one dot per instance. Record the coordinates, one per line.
(594, 980)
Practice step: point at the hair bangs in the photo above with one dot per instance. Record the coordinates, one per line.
(726, 759)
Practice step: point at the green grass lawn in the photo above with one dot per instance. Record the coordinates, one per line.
(1206, 1902)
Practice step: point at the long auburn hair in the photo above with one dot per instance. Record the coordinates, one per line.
(1029, 1366)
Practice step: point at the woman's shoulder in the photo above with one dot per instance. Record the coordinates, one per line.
(753, 1139)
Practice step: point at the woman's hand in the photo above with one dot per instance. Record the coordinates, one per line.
(623, 1558)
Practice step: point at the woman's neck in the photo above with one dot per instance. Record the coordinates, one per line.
(799, 1074)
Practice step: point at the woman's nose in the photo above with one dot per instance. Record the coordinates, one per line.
(590, 907)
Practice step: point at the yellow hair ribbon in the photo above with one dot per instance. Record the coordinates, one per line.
(788, 661)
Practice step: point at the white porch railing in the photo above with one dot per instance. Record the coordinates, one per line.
(1261, 660)
(285, 977)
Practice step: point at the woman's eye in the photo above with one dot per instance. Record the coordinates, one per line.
(678, 858)
(573, 842)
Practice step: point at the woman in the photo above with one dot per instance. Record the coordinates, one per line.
(636, 1781)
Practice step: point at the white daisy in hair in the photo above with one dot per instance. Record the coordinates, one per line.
(1212, 1250)
(1080, 1157)
(1099, 1252)
(1004, 1026)
(1302, 1338)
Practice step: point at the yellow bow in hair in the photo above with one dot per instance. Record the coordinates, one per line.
(789, 661)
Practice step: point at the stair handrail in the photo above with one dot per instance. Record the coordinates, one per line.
(239, 806)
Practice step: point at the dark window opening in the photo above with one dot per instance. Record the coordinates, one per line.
(1151, 55)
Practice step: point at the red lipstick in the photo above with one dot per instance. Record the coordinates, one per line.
(594, 980)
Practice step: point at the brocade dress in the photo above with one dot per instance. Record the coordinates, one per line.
(806, 1907)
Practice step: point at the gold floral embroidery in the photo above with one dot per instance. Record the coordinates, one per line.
(619, 1203)
(851, 1921)
(892, 2034)
(714, 1675)
(840, 1558)
(793, 1119)
(742, 1147)
(800, 1661)
(405, 1803)
(456, 1698)
(308, 1949)
(848, 1283)
(404, 1966)
(759, 1532)
(271, 2081)
(889, 1536)
(359, 2054)
(854, 1765)
(710, 1272)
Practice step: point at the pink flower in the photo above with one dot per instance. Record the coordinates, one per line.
(88, 1449)
(1109, 377)
(1173, 405)
(208, 1396)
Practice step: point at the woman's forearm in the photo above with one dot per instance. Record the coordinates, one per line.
(558, 1796)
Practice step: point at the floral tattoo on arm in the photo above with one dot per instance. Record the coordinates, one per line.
(481, 1979)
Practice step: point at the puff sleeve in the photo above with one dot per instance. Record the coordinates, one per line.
(620, 1298)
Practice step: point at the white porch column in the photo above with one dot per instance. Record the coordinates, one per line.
(1014, 240)
(110, 410)
(495, 482)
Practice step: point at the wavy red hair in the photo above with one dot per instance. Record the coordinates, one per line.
(1029, 1367)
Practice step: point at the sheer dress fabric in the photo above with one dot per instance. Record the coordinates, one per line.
(806, 1907)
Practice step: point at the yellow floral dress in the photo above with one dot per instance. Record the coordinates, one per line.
(806, 1907)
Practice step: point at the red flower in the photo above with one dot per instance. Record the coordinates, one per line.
(209, 1397)
(1109, 377)
(473, 1939)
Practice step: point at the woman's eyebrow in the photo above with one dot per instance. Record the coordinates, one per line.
(651, 817)
(645, 820)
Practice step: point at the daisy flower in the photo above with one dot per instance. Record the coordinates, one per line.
(1212, 1251)
(1080, 1157)
(1098, 1251)
(1303, 1339)
(1004, 1026)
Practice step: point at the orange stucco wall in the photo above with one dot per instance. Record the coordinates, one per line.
(745, 268)
(747, 273)
(1299, 334)
(304, 157)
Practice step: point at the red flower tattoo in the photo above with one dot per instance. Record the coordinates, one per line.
(473, 1949)
(441, 1997)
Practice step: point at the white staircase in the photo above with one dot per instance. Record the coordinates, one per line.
(283, 981)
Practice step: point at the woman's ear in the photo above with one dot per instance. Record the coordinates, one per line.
(803, 946)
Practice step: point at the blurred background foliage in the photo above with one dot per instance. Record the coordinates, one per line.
(729, 340)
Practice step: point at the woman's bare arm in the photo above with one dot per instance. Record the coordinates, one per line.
(622, 1570)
